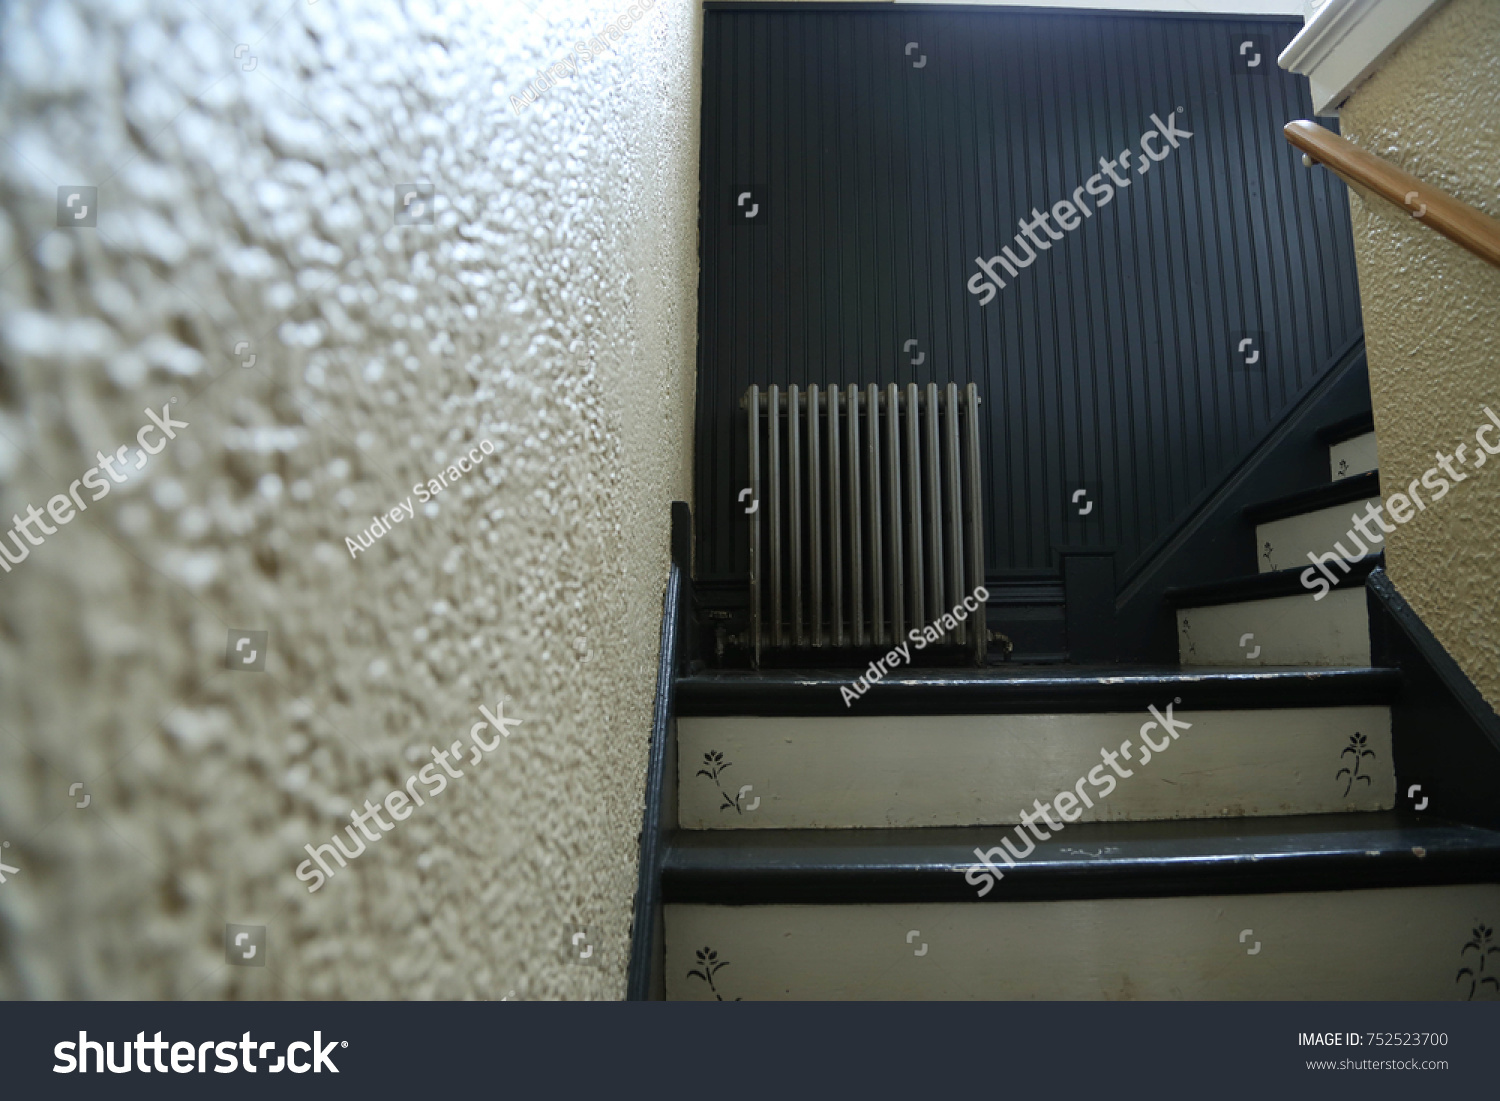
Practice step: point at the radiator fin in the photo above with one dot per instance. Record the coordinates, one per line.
(867, 500)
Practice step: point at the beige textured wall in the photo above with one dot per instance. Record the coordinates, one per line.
(1432, 319)
(550, 309)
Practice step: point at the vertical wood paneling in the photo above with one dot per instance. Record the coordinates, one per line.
(1109, 362)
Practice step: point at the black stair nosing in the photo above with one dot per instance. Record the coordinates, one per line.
(806, 695)
(1354, 488)
(1264, 586)
(1347, 429)
(1351, 851)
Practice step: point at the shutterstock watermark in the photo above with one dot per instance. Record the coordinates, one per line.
(398, 804)
(1065, 803)
(584, 51)
(1321, 577)
(62, 506)
(920, 638)
(987, 282)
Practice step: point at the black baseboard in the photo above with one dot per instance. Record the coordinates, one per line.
(645, 977)
(1445, 736)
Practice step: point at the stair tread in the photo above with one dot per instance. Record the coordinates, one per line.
(1347, 428)
(1263, 586)
(1085, 860)
(1016, 689)
(1357, 487)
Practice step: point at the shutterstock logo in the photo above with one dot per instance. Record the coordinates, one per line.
(63, 507)
(1155, 146)
(1066, 803)
(189, 1058)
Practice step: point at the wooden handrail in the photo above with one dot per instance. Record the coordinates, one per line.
(1435, 208)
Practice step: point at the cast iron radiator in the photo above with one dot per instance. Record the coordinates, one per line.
(866, 514)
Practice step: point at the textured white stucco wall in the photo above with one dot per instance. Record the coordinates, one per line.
(1432, 319)
(247, 195)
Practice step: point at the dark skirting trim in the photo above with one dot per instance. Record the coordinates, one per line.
(1445, 737)
(644, 977)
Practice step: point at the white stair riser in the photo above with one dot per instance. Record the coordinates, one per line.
(1284, 630)
(1356, 456)
(1285, 544)
(961, 770)
(1396, 944)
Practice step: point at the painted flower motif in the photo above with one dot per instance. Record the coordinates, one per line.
(714, 764)
(1480, 945)
(709, 965)
(1358, 748)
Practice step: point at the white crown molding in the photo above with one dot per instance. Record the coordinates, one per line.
(1345, 41)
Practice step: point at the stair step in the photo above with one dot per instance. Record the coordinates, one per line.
(1095, 860)
(1359, 424)
(1264, 586)
(1353, 457)
(1351, 446)
(1354, 488)
(1224, 910)
(1014, 689)
(1273, 619)
(1286, 543)
(761, 773)
(1400, 944)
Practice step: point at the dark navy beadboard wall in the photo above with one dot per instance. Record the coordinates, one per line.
(1113, 363)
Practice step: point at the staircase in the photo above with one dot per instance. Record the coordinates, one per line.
(1274, 618)
(1231, 828)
